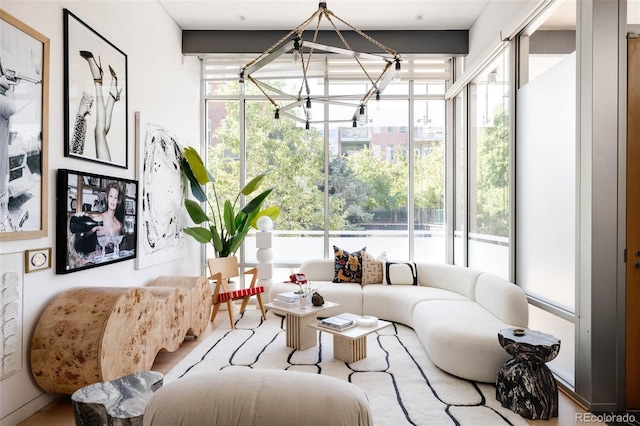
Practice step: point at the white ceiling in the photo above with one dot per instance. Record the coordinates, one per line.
(362, 14)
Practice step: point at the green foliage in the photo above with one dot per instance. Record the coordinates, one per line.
(493, 177)
(225, 228)
(358, 184)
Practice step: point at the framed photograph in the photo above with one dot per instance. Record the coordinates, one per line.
(94, 226)
(24, 129)
(95, 88)
(161, 238)
(37, 259)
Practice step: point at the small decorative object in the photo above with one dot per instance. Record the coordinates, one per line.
(518, 331)
(367, 321)
(303, 302)
(317, 299)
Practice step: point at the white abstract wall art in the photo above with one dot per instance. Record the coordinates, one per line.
(11, 268)
(162, 215)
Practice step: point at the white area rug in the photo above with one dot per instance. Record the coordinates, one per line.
(403, 386)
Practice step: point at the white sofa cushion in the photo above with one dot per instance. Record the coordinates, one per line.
(449, 277)
(318, 269)
(503, 299)
(396, 302)
(461, 338)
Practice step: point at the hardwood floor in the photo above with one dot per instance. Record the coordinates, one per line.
(60, 412)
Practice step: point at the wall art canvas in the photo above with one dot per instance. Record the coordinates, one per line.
(162, 195)
(24, 106)
(11, 280)
(96, 95)
(93, 225)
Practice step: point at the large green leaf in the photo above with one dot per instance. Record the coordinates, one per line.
(196, 165)
(217, 241)
(255, 204)
(196, 189)
(201, 235)
(195, 211)
(229, 222)
(253, 185)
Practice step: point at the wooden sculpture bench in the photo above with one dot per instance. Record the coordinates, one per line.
(95, 334)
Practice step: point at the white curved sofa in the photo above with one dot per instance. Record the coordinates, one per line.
(455, 311)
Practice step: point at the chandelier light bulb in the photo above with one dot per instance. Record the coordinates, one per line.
(396, 74)
(355, 123)
(296, 50)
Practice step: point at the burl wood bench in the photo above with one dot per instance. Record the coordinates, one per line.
(95, 334)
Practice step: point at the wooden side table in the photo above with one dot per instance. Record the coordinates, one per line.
(350, 345)
(525, 384)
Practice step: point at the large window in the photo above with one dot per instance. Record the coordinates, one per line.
(488, 168)
(378, 185)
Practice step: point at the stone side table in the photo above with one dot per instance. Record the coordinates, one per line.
(525, 384)
(120, 402)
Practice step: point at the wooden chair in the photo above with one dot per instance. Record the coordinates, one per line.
(221, 270)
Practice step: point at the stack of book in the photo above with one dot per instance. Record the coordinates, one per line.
(287, 300)
(337, 323)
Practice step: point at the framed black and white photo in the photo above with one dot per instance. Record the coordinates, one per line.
(24, 112)
(95, 86)
(96, 220)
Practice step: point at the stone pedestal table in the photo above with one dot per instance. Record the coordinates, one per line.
(119, 402)
(525, 384)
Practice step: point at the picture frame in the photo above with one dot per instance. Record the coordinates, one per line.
(24, 132)
(95, 94)
(162, 191)
(37, 259)
(96, 229)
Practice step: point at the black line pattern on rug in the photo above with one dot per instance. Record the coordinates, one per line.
(319, 359)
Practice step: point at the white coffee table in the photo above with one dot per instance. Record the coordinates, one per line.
(350, 345)
(300, 335)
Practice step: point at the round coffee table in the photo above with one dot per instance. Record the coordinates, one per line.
(525, 384)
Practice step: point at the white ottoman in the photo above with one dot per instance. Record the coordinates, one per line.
(247, 397)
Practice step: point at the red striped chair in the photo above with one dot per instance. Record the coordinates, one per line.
(223, 268)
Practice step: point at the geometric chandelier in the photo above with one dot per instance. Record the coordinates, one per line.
(303, 51)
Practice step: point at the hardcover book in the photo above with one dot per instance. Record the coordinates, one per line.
(337, 322)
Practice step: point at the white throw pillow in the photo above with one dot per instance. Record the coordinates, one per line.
(400, 273)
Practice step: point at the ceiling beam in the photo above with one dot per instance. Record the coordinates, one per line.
(436, 42)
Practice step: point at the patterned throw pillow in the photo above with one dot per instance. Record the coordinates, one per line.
(372, 268)
(348, 266)
(402, 273)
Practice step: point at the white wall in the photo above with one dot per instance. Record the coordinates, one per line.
(164, 85)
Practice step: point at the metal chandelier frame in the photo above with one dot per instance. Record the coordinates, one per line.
(390, 69)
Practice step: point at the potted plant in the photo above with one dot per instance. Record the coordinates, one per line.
(227, 225)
